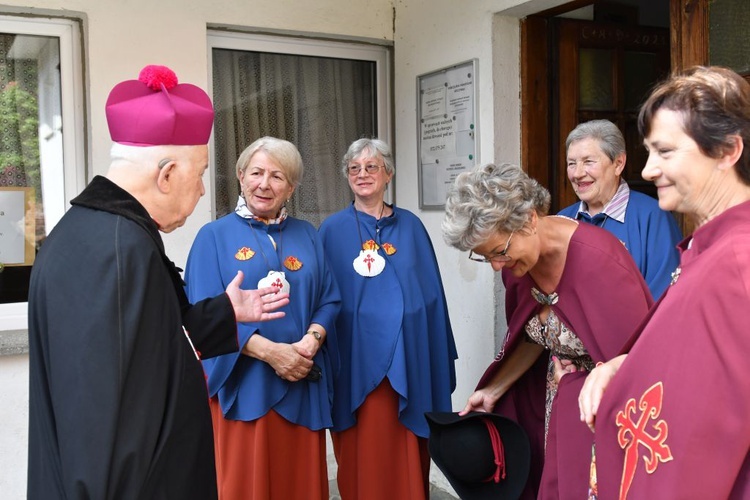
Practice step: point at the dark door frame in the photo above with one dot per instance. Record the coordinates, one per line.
(688, 47)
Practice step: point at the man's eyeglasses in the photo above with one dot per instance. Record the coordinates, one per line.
(498, 257)
(370, 168)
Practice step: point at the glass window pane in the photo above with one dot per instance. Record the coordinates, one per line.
(728, 34)
(320, 104)
(30, 142)
(640, 72)
(595, 74)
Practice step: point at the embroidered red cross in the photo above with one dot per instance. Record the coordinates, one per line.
(278, 284)
(369, 260)
(631, 434)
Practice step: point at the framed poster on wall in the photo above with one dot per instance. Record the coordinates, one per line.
(447, 139)
(17, 226)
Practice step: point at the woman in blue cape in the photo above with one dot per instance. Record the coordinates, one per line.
(596, 158)
(395, 340)
(270, 407)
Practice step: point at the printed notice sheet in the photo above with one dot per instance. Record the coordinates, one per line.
(447, 130)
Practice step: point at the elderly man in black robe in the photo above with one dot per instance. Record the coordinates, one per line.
(118, 401)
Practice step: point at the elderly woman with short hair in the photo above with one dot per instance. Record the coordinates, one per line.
(396, 344)
(595, 161)
(270, 406)
(573, 296)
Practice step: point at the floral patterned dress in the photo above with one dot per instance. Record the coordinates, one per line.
(562, 342)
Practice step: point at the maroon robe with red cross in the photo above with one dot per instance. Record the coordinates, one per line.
(675, 421)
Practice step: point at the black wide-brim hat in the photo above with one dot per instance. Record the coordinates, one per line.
(462, 447)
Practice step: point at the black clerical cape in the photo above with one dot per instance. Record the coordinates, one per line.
(118, 401)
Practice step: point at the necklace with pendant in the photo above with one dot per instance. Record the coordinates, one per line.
(676, 273)
(675, 276)
(276, 279)
(368, 263)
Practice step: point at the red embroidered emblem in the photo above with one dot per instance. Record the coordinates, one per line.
(369, 260)
(244, 253)
(634, 433)
(292, 263)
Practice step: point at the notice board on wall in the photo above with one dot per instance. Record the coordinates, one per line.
(446, 129)
(17, 226)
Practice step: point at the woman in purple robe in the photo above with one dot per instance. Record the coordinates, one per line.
(670, 416)
(573, 297)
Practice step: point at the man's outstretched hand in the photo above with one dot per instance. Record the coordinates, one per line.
(255, 305)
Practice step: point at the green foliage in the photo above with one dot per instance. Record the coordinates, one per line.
(19, 134)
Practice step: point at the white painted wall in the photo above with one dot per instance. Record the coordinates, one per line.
(124, 35)
(14, 412)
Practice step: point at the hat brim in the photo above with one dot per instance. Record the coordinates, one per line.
(517, 456)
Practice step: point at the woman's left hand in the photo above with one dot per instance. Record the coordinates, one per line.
(307, 346)
(563, 367)
(593, 388)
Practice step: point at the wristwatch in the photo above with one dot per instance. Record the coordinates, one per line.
(315, 334)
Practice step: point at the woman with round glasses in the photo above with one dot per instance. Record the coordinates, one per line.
(573, 297)
(395, 341)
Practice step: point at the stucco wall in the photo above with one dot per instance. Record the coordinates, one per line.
(124, 35)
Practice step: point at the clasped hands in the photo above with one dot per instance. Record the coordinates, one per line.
(293, 362)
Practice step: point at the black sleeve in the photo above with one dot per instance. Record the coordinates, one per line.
(210, 323)
(211, 326)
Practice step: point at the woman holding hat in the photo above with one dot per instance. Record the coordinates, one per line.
(395, 339)
(672, 421)
(573, 296)
(271, 406)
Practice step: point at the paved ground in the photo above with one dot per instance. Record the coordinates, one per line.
(435, 492)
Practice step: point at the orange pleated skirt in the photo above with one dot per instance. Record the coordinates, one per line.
(268, 459)
(379, 458)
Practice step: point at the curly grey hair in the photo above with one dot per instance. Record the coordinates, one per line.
(490, 198)
(368, 148)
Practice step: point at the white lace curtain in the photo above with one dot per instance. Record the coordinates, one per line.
(319, 104)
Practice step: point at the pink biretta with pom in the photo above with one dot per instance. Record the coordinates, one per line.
(156, 110)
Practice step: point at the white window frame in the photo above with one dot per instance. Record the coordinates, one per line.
(283, 44)
(58, 187)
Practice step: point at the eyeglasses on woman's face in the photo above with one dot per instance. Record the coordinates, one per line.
(497, 257)
(371, 168)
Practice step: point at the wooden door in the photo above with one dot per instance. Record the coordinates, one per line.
(550, 76)
(605, 72)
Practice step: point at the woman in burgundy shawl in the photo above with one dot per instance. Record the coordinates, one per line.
(673, 422)
(573, 297)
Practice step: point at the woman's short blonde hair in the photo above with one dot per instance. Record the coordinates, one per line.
(282, 152)
(491, 198)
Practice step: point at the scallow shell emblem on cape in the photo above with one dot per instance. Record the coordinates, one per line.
(276, 279)
(389, 249)
(244, 253)
(370, 245)
(292, 263)
(369, 263)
